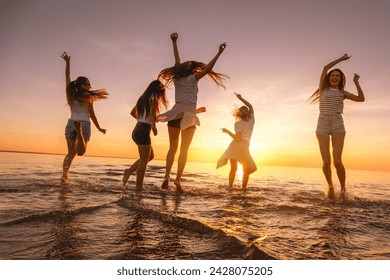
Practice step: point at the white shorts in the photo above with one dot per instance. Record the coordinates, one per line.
(330, 124)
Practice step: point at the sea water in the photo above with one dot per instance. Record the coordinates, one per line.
(285, 214)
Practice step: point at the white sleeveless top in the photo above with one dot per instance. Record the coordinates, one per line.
(79, 111)
(186, 90)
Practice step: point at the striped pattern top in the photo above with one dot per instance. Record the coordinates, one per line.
(332, 101)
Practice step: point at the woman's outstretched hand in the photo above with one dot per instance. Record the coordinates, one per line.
(356, 78)
(174, 36)
(238, 95)
(65, 56)
(222, 47)
(345, 57)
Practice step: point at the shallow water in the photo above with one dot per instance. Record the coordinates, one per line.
(284, 215)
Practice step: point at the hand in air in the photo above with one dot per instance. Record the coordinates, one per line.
(174, 36)
(222, 47)
(238, 95)
(346, 56)
(356, 78)
(65, 56)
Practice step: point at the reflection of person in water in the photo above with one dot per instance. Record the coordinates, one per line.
(67, 242)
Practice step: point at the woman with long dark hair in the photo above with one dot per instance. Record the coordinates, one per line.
(148, 106)
(80, 99)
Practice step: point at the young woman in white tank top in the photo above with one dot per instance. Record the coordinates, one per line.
(182, 117)
(80, 99)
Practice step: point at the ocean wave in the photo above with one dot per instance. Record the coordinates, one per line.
(241, 249)
(54, 215)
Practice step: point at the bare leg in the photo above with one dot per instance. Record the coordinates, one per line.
(338, 145)
(186, 139)
(144, 154)
(68, 160)
(324, 142)
(232, 173)
(129, 171)
(245, 177)
(81, 144)
(174, 134)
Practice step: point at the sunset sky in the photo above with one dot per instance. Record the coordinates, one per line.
(274, 57)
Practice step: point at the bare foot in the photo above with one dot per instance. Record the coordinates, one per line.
(165, 184)
(64, 180)
(126, 176)
(331, 194)
(178, 187)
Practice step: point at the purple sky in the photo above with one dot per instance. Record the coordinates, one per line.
(275, 54)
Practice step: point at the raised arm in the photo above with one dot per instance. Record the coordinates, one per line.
(246, 103)
(330, 65)
(174, 37)
(211, 64)
(360, 97)
(66, 57)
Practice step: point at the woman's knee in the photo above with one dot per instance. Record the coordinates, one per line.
(71, 154)
(326, 163)
(81, 153)
(173, 145)
(338, 164)
(233, 167)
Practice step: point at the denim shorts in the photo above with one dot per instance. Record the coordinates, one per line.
(70, 130)
(330, 124)
(141, 133)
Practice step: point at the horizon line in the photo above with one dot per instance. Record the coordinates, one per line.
(123, 157)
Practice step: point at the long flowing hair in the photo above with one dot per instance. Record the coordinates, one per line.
(75, 91)
(181, 70)
(238, 114)
(315, 97)
(153, 98)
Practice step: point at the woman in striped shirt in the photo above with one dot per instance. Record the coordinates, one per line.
(330, 126)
